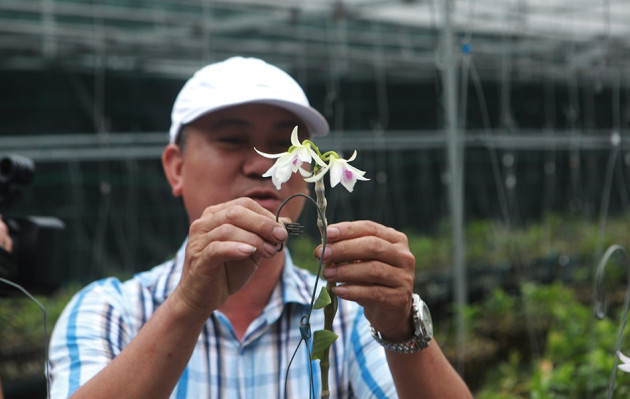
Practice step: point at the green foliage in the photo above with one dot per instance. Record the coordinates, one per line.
(22, 344)
(323, 299)
(575, 352)
(322, 339)
(578, 354)
(493, 243)
(302, 251)
(22, 320)
(430, 252)
(510, 379)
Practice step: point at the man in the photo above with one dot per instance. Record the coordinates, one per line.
(222, 318)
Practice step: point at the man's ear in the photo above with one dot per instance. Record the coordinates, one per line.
(173, 163)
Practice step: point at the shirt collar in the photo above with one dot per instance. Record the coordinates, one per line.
(296, 283)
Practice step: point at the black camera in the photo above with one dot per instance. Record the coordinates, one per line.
(34, 261)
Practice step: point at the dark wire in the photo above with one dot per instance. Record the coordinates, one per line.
(310, 368)
(310, 308)
(41, 307)
(324, 239)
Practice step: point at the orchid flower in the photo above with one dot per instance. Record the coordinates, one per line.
(299, 153)
(291, 161)
(340, 172)
(625, 362)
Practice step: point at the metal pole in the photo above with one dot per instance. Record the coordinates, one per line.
(455, 156)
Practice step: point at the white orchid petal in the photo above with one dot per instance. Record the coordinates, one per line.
(271, 170)
(349, 175)
(272, 156)
(320, 173)
(268, 173)
(623, 357)
(357, 173)
(276, 183)
(348, 184)
(625, 366)
(294, 137)
(354, 155)
(336, 171)
(316, 157)
(305, 173)
(304, 155)
(288, 158)
(280, 171)
(282, 175)
(295, 163)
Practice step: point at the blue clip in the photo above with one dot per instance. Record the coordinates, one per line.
(305, 331)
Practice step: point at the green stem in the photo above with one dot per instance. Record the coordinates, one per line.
(331, 309)
(324, 157)
(329, 314)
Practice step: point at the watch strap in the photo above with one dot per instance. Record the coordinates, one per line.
(415, 343)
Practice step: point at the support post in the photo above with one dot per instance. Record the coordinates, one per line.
(455, 155)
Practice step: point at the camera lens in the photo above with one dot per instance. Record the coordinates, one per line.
(15, 169)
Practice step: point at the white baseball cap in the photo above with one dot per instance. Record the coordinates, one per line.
(238, 81)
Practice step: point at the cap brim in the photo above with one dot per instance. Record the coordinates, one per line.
(314, 121)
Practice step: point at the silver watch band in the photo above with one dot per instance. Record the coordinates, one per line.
(411, 345)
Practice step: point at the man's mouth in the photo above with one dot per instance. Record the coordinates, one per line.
(268, 199)
(262, 197)
(266, 195)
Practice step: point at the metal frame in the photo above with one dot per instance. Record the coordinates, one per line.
(319, 38)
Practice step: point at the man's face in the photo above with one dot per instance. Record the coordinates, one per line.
(219, 162)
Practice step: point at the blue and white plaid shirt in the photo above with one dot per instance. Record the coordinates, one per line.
(105, 316)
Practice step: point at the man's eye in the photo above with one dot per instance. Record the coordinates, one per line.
(231, 140)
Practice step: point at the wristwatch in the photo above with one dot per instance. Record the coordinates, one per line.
(423, 330)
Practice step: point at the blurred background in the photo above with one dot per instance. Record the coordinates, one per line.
(495, 133)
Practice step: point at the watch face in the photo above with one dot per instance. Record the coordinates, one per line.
(425, 317)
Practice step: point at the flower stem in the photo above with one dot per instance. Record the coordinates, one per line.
(320, 192)
(331, 309)
(329, 314)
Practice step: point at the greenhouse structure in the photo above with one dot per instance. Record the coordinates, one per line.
(495, 134)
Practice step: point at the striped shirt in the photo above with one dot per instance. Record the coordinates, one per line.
(104, 317)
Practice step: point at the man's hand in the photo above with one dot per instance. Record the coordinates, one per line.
(6, 242)
(373, 266)
(225, 246)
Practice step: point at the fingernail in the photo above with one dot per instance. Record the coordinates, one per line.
(330, 272)
(326, 254)
(269, 249)
(247, 249)
(332, 232)
(339, 290)
(279, 233)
